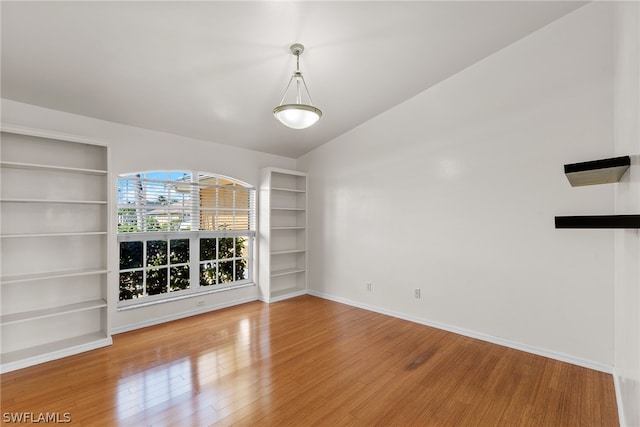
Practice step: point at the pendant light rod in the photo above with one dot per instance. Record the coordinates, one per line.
(297, 50)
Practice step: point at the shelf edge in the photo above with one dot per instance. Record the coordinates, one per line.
(27, 316)
(17, 278)
(598, 221)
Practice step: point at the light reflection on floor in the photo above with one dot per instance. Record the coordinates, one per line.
(212, 379)
(146, 389)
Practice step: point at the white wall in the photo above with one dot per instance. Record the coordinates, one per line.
(455, 192)
(627, 242)
(135, 149)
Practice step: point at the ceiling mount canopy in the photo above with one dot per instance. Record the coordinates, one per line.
(297, 115)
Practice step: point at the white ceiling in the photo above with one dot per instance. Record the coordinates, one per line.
(215, 70)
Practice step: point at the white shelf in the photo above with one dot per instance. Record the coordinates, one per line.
(80, 202)
(289, 228)
(290, 251)
(53, 168)
(54, 350)
(288, 209)
(287, 271)
(72, 234)
(292, 190)
(52, 275)
(26, 316)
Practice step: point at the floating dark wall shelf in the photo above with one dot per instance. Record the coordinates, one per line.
(598, 221)
(597, 172)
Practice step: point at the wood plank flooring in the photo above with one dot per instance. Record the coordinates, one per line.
(308, 361)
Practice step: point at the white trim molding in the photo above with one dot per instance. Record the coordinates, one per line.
(618, 388)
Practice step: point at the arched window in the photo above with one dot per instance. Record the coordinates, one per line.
(182, 233)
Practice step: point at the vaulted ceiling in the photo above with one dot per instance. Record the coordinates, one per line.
(215, 70)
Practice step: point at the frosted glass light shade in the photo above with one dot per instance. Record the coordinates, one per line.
(297, 116)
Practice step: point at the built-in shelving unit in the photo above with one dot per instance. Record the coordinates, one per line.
(283, 234)
(54, 237)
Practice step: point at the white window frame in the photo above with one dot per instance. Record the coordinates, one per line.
(194, 236)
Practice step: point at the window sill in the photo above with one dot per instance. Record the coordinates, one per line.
(181, 297)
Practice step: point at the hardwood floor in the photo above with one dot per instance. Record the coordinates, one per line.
(308, 361)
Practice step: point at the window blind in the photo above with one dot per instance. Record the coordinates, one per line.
(183, 201)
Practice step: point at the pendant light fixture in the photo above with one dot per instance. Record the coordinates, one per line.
(297, 115)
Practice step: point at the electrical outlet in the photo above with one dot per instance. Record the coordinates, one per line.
(200, 303)
(417, 293)
(369, 287)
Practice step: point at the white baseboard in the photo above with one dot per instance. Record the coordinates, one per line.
(473, 334)
(181, 315)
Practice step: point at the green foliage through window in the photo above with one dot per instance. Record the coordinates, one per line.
(165, 268)
(219, 261)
